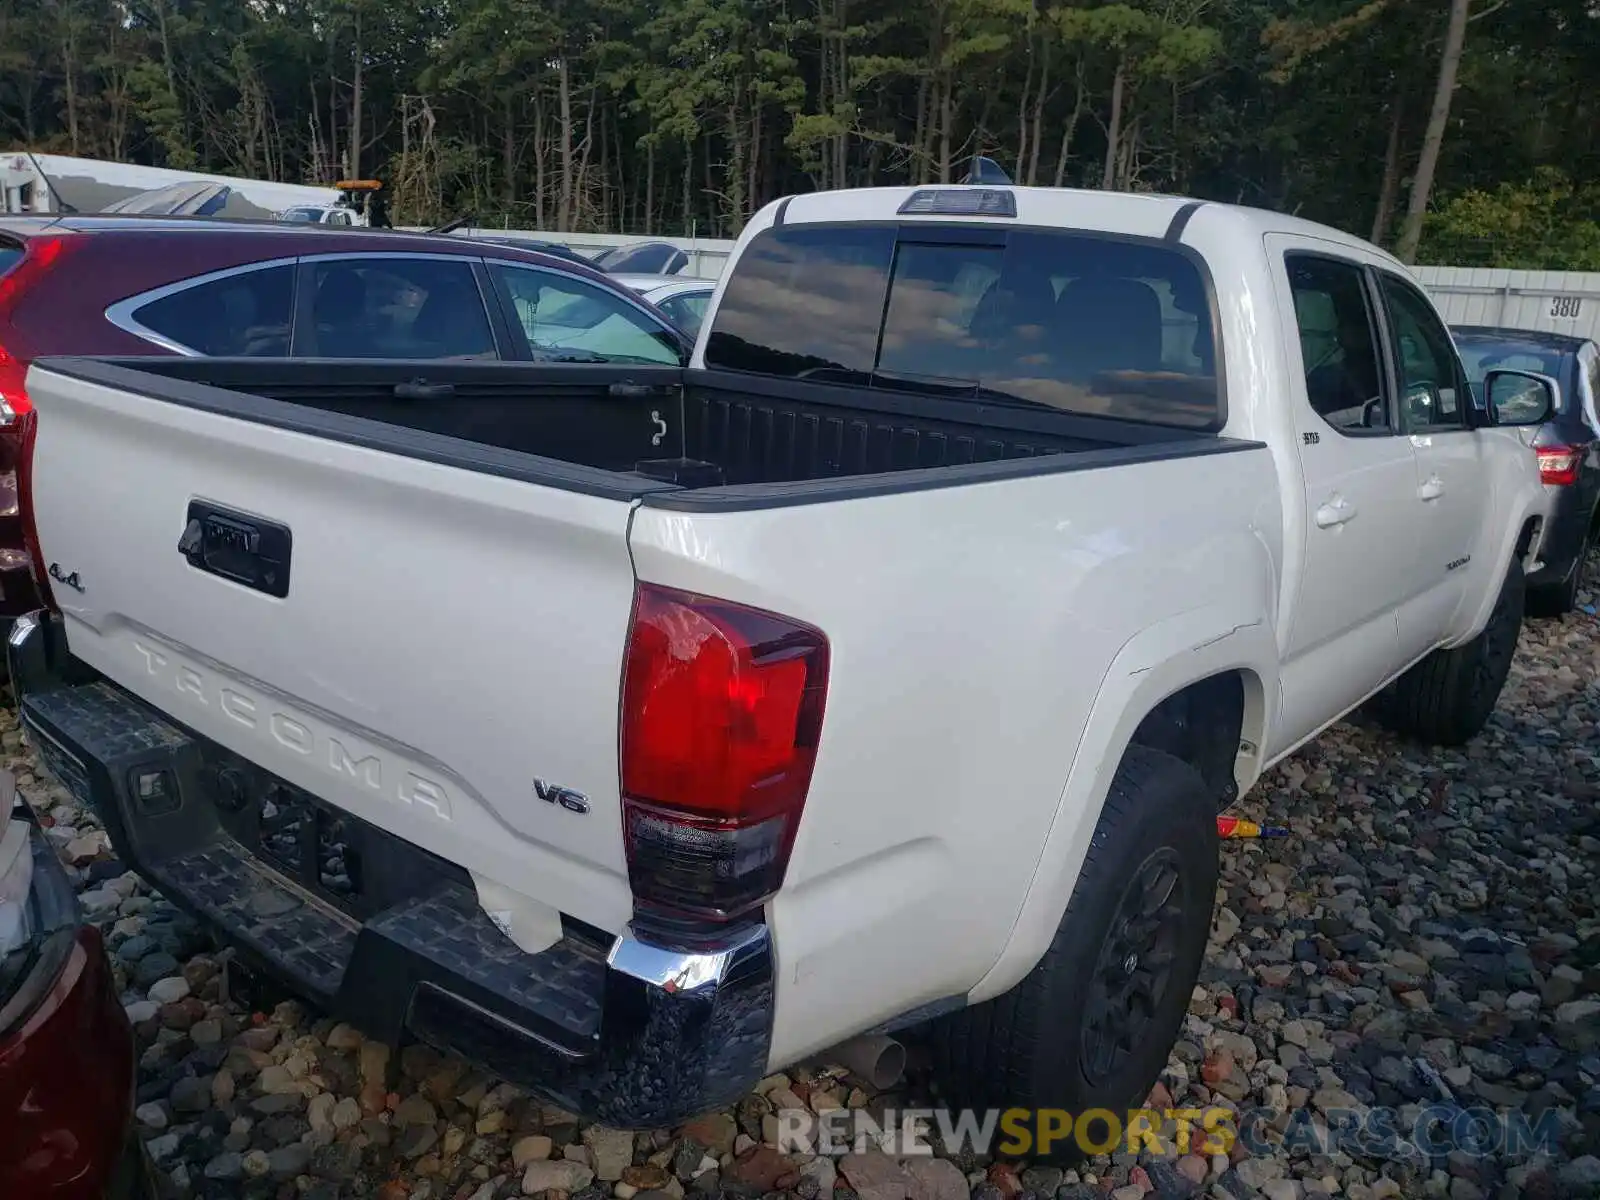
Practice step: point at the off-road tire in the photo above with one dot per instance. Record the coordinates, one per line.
(1446, 698)
(1027, 1047)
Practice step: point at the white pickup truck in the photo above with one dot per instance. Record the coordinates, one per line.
(637, 729)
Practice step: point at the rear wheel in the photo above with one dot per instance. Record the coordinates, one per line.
(1446, 698)
(1091, 1026)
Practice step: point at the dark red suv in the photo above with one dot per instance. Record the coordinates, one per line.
(66, 1048)
(121, 285)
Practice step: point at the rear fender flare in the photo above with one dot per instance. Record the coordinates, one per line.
(1501, 554)
(1155, 664)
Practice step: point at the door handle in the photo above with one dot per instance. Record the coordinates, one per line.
(1432, 489)
(1335, 512)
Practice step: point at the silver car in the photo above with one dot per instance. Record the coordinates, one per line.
(683, 299)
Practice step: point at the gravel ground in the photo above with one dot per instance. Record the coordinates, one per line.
(1428, 935)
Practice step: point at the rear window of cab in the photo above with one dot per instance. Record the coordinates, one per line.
(1082, 323)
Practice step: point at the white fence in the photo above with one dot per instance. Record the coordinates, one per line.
(1552, 301)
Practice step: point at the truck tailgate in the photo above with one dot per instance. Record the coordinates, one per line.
(478, 621)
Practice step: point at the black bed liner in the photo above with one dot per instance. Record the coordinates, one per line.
(663, 435)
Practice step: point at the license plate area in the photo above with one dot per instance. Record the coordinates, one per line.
(299, 836)
(339, 858)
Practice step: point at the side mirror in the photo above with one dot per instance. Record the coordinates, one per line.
(1520, 398)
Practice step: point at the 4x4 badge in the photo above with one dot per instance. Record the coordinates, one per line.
(72, 581)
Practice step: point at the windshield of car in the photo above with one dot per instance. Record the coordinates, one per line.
(1481, 355)
(1073, 321)
(303, 215)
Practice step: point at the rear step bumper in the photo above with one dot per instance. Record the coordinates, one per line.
(622, 1031)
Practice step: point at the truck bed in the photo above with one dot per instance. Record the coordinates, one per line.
(648, 432)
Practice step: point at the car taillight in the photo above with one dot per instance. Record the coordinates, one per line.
(721, 717)
(1558, 465)
(19, 539)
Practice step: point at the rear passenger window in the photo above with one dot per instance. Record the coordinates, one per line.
(397, 308)
(9, 256)
(1338, 343)
(562, 317)
(246, 314)
(1085, 324)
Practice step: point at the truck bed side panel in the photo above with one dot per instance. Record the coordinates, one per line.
(971, 631)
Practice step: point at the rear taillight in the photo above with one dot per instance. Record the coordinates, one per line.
(721, 718)
(1558, 465)
(19, 539)
(39, 255)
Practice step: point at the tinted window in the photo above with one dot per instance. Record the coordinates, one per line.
(1430, 396)
(398, 308)
(1338, 343)
(9, 256)
(247, 314)
(804, 301)
(687, 310)
(1481, 355)
(1087, 324)
(564, 317)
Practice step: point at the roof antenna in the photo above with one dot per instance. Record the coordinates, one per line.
(986, 170)
(61, 205)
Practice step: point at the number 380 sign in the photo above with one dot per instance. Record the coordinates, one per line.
(1565, 306)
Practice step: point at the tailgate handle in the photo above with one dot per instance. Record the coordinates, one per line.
(421, 389)
(238, 547)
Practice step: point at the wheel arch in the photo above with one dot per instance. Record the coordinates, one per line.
(1221, 667)
(1216, 725)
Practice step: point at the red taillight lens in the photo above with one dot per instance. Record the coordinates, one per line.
(19, 539)
(1558, 465)
(39, 255)
(721, 717)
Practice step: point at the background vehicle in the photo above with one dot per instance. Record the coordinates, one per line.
(66, 1049)
(306, 214)
(531, 243)
(642, 258)
(912, 636)
(109, 285)
(58, 183)
(684, 300)
(1568, 446)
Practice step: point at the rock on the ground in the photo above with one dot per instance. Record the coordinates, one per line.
(555, 1175)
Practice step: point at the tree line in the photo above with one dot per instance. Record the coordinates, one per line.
(1461, 131)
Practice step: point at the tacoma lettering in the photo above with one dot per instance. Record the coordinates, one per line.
(297, 734)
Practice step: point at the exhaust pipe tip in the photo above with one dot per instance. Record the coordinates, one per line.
(877, 1060)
